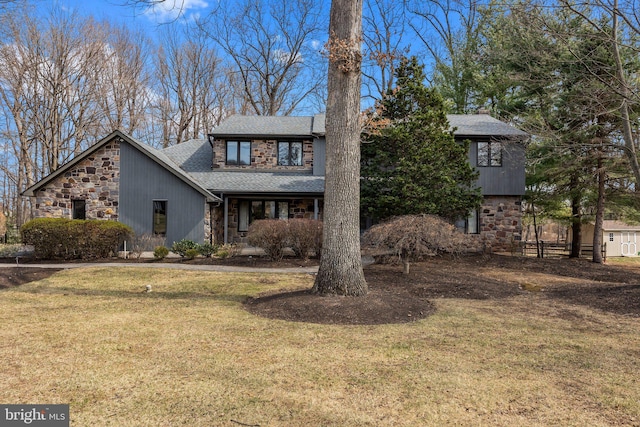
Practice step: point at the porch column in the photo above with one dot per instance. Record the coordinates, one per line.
(315, 209)
(226, 219)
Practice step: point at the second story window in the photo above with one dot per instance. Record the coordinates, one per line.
(238, 153)
(289, 153)
(489, 153)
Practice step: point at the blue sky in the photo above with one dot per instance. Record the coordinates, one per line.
(117, 11)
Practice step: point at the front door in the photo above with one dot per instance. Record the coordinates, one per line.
(628, 242)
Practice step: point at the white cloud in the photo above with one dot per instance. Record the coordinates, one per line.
(170, 10)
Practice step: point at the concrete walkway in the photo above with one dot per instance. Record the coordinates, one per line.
(172, 265)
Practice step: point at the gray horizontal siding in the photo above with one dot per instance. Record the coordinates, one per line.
(141, 182)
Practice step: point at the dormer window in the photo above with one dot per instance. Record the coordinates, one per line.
(489, 153)
(289, 153)
(239, 153)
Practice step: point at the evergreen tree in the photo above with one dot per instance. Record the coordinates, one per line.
(411, 163)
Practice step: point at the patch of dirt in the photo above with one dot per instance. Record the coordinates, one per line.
(16, 276)
(394, 297)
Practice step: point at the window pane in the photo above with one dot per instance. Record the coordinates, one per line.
(496, 153)
(245, 153)
(283, 153)
(257, 210)
(232, 152)
(243, 215)
(79, 209)
(296, 154)
(472, 222)
(160, 217)
(483, 154)
(283, 210)
(270, 209)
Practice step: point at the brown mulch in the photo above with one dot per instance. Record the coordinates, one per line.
(394, 297)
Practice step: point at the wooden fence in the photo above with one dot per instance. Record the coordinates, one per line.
(558, 250)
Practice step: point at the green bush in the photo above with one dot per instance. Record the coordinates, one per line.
(191, 253)
(271, 235)
(183, 246)
(228, 250)
(305, 237)
(73, 238)
(160, 252)
(207, 249)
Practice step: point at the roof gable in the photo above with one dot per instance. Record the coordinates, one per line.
(156, 155)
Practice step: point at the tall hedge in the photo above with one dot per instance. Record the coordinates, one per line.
(73, 238)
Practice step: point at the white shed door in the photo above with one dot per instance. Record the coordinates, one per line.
(628, 243)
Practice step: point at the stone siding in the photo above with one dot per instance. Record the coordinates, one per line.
(264, 155)
(95, 179)
(500, 223)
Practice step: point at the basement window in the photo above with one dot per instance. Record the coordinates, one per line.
(79, 209)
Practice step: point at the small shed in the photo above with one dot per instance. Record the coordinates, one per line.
(621, 238)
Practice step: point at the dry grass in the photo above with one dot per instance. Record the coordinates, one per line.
(188, 354)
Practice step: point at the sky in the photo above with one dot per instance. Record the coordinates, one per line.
(148, 18)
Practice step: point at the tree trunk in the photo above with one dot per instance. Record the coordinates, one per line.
(627, 131)
(597, 229)
(576, 228)
(340, 270)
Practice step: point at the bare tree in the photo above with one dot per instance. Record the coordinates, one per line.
(272, 46)
(340, 270)
(192, 87)
(384, 23)
(122, 79)
(65, 80)
(414, 237)
(450, 34)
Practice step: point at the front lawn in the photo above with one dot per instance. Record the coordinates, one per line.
(188, 353)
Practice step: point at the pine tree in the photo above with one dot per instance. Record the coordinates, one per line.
(411, 163)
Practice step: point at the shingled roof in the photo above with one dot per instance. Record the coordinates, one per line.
(257, 126)
(194, 157)
(473, 125)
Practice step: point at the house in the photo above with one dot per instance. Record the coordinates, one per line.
(619, 237)
(253, 167)
(122, 179)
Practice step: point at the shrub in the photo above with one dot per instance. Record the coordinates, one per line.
(74, 238)
(228, 250)
(145, 243)
(207, 249)
(191, 253)
(183, 246)
(270, 235)
(413, 237)
(305, 237)
(160, 252)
